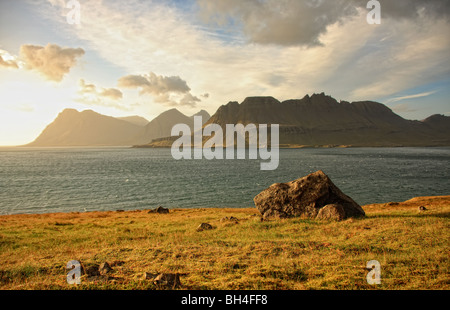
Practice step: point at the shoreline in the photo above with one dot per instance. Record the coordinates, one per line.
(419, 200)
(281, 146)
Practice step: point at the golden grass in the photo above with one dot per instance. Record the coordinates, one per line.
(411, 246)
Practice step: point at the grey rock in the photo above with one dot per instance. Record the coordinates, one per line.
(305, 197)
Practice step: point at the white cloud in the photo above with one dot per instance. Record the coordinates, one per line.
(52, 61)
(90, 94)
(91, 89)
(7, 61)
(415, 96)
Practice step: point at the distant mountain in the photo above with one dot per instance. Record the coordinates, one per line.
(87, 128)
(320, 120)
(162, 125)
(137, 120)
(438, 122)
(205, 115)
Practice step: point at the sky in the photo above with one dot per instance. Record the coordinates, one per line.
(142, 58)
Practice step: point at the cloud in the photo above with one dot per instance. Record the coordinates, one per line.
(154, 84)
(110, 93)
(413, 9)
(282, 22)
(170, 90)
(10, 63)
(51, 61)
(303, 22)
(92, 95)
(189, 100)
(424, 94)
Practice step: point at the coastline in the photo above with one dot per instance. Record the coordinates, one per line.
(410, 203)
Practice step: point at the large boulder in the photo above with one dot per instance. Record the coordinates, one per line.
(306, 197)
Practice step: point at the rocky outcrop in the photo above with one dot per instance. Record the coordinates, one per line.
(313, 196)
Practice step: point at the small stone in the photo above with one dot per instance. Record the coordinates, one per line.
(204, 226)
(168, 280)
(146, 276)
(91, 271)
(229, 219)
(333, 212)
(159, 210)
(104, 268)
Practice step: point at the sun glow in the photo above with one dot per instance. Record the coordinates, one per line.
(28, 105)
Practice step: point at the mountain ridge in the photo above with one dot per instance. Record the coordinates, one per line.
(316, 120)
(89, 128)
(320, 120)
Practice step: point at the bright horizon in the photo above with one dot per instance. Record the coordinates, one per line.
(143, 58)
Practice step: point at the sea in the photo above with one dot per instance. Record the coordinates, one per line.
(48, 180)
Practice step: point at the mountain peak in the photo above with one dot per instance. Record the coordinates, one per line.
(260, 100)
(69, 111)
(204, 114)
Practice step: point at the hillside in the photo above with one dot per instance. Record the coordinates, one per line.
(137, 120)
(320, 120)
(87, 128)
(162, 125)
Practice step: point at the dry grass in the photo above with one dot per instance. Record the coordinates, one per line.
(295, 254)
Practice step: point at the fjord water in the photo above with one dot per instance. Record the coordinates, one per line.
(46, 180)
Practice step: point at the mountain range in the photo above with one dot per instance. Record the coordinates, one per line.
(317, 120)
(89, 128)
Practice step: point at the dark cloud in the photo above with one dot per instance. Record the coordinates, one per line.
(413, 9)
(52, 61)
(302, 22)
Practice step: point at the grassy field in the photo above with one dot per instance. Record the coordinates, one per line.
(412, 247)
